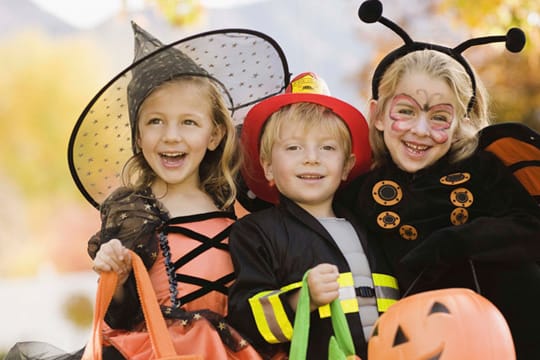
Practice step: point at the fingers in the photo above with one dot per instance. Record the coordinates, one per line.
(323, 284)
(113, 256)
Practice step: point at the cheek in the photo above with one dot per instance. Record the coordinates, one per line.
(400, 125)
(439, 136)
(440, 133)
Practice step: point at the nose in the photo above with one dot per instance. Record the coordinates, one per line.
(172, 133)
(311, 155)
(421, 125)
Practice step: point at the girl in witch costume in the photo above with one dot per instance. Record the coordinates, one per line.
(299, 148)
(175, 208)
(447, 213)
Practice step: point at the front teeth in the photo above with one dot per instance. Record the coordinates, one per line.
(416, 147)
(172, 155)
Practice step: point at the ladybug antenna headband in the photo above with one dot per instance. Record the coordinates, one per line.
(371, 11)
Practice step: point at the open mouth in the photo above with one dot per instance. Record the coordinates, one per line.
(172, 158)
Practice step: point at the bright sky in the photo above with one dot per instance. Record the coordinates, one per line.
(87, 13)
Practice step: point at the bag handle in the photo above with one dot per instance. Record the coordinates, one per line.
(341, 345)
(155, 323)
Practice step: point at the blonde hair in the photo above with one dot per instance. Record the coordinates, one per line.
(438, 66)
(306, 116)
(218, 168)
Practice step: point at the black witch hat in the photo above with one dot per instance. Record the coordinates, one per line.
(247, 66)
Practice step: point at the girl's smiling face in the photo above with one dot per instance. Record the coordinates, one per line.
(175, 132)
(418, 123)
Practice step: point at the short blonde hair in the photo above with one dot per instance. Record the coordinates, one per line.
(218, 168)
(307, 116)
(439, 66)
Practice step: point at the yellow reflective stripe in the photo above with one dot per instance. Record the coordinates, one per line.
(270, 315)
(350, 305)
(345, 279)
(347, 296)
(260, 318)
(386, 290)
(384, 280)
(324, 311)
(292, 286)
(384, 304)
(281, 316)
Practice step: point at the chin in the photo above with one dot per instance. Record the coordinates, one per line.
(412, 168)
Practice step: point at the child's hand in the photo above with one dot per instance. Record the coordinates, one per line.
(113, 256)
(323, 284)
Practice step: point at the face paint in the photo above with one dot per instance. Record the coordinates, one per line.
(407, 113)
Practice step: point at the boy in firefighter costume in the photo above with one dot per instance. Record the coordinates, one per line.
(300, 146)
(447, 213)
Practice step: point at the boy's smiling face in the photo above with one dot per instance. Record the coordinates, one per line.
(308, 167)
(419, 122)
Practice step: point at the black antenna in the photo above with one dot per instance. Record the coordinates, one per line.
(370, 11)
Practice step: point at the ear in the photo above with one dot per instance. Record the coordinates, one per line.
(267, 167)
(216, 137)
(377, 121)
(347, 167)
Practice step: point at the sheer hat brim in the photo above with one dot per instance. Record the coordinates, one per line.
(247, 65)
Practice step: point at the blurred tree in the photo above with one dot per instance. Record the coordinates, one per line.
(515, 92)
(46, 82)
(45, 85)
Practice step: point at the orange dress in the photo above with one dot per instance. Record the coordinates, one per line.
(202, 271)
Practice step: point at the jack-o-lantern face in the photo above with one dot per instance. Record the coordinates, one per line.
(448, 324)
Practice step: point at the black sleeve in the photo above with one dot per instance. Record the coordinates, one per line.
(256, 267)
(128, 313)
(508, 230)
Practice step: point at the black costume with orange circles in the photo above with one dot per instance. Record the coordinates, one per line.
(474, 218)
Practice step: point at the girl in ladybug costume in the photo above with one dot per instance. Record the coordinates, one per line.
(447, 213)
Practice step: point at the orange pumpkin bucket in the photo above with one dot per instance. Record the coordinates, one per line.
(447, 324)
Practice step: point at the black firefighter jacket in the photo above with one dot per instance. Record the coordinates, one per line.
(271, 250)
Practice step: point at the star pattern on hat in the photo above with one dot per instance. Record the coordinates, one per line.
(247, 65)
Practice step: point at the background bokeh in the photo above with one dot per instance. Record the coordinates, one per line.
(55, 58)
